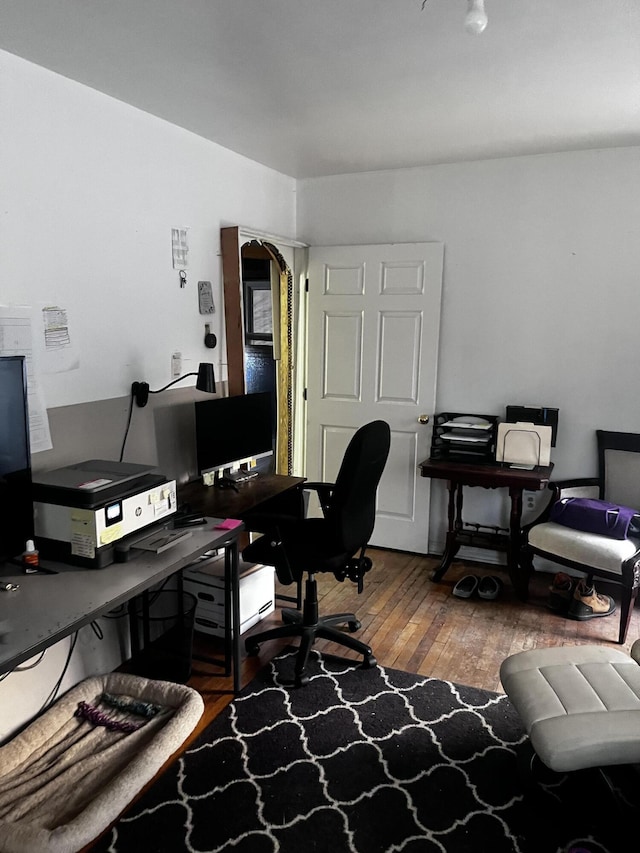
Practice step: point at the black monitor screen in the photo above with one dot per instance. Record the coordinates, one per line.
(233, 429)
(16, 508)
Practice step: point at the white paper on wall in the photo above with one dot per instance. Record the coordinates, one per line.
(58, 351)
(16, 338)
(179, 248)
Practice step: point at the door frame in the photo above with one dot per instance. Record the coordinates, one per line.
(232, 240)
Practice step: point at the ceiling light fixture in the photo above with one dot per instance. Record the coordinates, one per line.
(476, 19)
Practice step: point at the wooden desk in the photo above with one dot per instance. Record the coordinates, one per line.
(489, 476)
(262, 493)
(46, 608)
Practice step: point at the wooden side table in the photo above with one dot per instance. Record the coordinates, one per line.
(489, 476)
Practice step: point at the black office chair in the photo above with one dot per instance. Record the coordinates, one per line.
(334, 543)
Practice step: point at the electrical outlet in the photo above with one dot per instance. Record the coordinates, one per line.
(176, 365)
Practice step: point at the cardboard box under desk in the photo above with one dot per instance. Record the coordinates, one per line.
(205, 580)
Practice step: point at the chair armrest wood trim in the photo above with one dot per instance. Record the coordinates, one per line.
(574, 483)
(556, 488)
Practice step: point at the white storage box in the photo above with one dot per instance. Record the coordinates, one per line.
(205, 581)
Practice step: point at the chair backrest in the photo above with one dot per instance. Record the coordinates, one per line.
(352, 511)
(619, 467)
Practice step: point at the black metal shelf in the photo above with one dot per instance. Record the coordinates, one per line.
(464, 448)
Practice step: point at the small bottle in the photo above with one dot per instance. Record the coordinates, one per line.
(30, 558)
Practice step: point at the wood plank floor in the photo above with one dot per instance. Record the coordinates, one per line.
(417, 625)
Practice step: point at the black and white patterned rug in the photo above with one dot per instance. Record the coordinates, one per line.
(360, 761)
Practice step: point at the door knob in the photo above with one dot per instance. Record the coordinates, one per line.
(423, 419)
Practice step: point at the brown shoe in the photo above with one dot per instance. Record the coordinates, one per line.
(561, 593)
(587, 603)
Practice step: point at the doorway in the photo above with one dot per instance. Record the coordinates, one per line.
(260, 308)
(373, 332)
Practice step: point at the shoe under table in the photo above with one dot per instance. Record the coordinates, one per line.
(580, 705)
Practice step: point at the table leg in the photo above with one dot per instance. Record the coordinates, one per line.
(514, 544)
(231, 662)
(133, 626)
(232, 607)
(146, 624)
(454, 516)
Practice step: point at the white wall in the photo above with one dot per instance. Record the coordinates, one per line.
(541, 291)
(91, 188)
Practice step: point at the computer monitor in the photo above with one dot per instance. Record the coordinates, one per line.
(233, 430)
(16, 504)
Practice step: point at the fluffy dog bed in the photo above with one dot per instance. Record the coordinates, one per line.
(67, 776)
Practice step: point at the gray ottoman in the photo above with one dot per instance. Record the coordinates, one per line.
(580, 705)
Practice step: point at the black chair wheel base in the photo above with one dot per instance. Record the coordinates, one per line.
(369, 662)
(290, 617)
(252, 649)
(355, 626)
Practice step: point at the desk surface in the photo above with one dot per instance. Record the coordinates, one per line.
(490, 475)
(47, 608)
(235, 503)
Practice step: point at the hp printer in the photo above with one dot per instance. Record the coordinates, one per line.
(82, 510)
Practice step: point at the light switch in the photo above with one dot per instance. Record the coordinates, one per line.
(176, 365)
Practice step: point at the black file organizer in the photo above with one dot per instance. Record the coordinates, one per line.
(462, 449)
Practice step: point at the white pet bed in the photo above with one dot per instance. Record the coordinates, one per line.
(65, 778)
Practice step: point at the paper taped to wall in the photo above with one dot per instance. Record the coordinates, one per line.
(16, 338)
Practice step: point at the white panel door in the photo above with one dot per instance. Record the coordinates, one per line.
(374, 319)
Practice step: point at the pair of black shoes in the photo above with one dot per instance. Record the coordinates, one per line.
(488, 587)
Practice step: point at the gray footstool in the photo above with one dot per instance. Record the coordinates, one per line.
(580, 705)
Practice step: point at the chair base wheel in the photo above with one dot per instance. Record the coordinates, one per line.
(355, 626)
(252, 649)
(369, 662)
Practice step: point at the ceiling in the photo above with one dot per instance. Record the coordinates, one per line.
(321, 87)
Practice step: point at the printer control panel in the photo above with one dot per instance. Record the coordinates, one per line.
(135, 512)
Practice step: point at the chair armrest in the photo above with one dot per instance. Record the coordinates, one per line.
(270, 550)
(318, 486)
(580, 486)
(324, 491)
(574, 487)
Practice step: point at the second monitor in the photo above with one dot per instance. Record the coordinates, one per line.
(233, 431)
